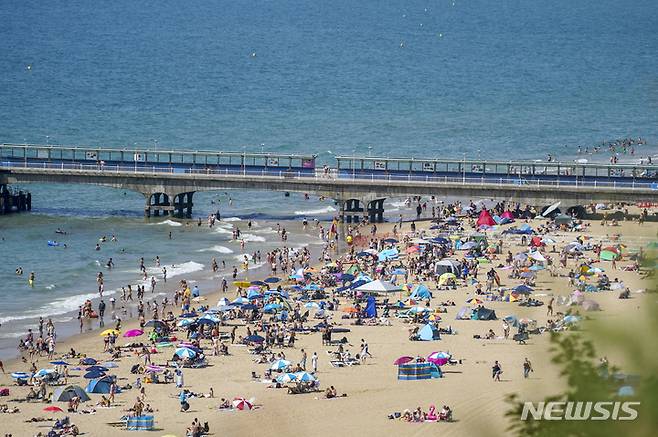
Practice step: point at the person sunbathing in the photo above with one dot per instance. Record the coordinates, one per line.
(224, 404)
(331, 393)
(445, 413)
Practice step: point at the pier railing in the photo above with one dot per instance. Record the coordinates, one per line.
(383, 178)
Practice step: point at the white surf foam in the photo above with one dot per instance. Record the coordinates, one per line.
(318, 211)
(252, 237)
(232, 219)
(220, 249)
(167, 222)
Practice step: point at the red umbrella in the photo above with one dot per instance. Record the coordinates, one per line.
(403, 360)
(53, 409)
(242, 404)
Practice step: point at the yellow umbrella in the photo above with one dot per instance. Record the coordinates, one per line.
(446, 277)
(110, 331)
(242, 284)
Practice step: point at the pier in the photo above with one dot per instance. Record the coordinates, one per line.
(359, 185)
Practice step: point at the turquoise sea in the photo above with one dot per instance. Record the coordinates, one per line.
(498, 79)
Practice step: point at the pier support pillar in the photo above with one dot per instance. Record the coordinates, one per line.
(352, 210)
(157, 203)
(376, 210)
(183, 205)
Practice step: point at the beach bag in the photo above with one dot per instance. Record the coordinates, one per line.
(184, 406)
(4, 392)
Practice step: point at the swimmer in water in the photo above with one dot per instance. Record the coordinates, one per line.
(31, 279)
(60, 231)
(98, 246)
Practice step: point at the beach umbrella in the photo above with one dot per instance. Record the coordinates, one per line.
(312, 305)
(254, 339)
(280, 364)
(529, 274)
(285, 377)
(440, 240)
(570, 320)
(185, 352)
(240, 301)
(253, 294)
(157, 324)
(272, 280)
(20, 375)
(110, 365)
(184, 322)
(468, 245)
(550, 209)
(59, 363)
(53, 409)
(548, 240)
(418, 310)
(259, 283)
(522, 289)
(351, 310)
(390, 240)
(203, 321)
(43, 372)
(304, 377)
(474, 301)
(88, 361)
(133, 333)
(536, 267)
(249, 307)
(345, 277)
(272, 307)
(242, 404)
(97, 368)
(537, 256)
(94, 374)
(403, 360)
(444, 278)
(242, 284)
(109, 332)
(223, 302)
(439, 358)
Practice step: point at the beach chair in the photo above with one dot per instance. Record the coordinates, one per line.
(140, 423)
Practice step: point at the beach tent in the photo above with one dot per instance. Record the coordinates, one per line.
(371, 308)
(65, 394)
(429, 333)
(485, 219)
(536, 242)
(484, 314)
(444, 278)
(100, 385)
(507, 215)
(448, 266)
(421, 292)
(416, 371)
(378, 286)
(387, 254)
(609, 254)
(512, 320)
(563, 219)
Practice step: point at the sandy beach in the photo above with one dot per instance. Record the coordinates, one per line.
(372, 388)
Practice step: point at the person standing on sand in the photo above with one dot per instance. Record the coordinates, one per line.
(527, 368)
(549, 307)
(314, 362)
(497, 370)
(302, 362)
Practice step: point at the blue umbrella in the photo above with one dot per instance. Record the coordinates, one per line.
(110, 365)
(346, 277)
(88, 361)
(253, 294)
(522, 289)
(97, 369)
(285, 377)
(43, 372)
(272, 307)
(440, 240)
(94, 374)
(203, 321)
(249, 306)
(59, 363)
(254, 339)
(280, 364)
(390, 240)
(272, 280)
(185, 352)
(304, 377)
(259, 283)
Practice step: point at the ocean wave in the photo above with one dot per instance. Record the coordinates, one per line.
(222, 230)
(167, 222)
(220, 249)
(56, 307)
(232, 219)
(318, 211)
(252, 238)
(183, 269)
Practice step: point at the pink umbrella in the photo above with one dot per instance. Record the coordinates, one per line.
(242, 404)
(438, 358)
(403, 360)
(133, 333)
